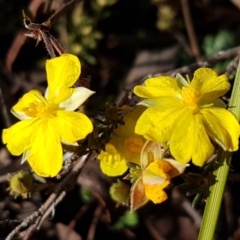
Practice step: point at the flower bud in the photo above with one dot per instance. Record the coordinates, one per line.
(21, 184)
(120, 193)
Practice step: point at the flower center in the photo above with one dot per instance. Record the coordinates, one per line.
(134, 145)
(39, 109)
(190, 98)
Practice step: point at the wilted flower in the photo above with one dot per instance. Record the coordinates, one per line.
(153, 176)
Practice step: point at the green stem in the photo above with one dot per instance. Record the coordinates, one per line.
(221, 170)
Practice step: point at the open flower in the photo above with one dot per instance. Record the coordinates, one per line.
(125, 146)
(153, 176)
(48, 121)
(188, 115)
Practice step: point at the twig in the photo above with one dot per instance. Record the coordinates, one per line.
(5, 115)
(96, 217)
(190, 29)
(29, 232)
(129, 233)
(182, 41)
(61, 11)
(40, 31)
(182, 201)
(232, 66)
(25, 223)
(76, 218)
(152, 230)
(236, 3)
(222, 55)
(53, 198)
(51, 209)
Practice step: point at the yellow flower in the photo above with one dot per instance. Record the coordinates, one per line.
(125, 146)
(48, 121)
(188, 115)
(154, 175)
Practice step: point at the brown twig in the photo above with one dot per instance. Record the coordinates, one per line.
(40, 31)
(20, 38)
(96, 217)
(53, 199)
(6, 118)
(182, 41)
(61, 11)
(190, 29)
(51, 208)
(232, 66)
(76, 218)
(29, 232)
(25, 223)
(222, 55)
(153, 232)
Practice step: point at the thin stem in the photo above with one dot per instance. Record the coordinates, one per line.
(190, 29)
(220, 56)
(6, 117)
(221, 170)
(60, 12)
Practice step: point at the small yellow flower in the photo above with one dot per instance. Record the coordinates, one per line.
(188, 115)
(125, 146)
(154, 175)
(48, 121)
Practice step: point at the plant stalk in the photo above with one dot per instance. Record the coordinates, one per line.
(221, 169)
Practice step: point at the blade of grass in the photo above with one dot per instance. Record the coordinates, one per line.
(221, 170)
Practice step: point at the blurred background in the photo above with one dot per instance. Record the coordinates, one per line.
(119, 43)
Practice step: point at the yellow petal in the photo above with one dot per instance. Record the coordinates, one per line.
(208, 84)
(155, 194)
(25, 102)
(46, 157)
(222, 126)
(190, 140)
(78, 97)
(72, 126)
(125, 148)
(157, 174)
(62, 73)
(159, 101)
(155, 179)
(157, 123)
(111, 162)
(158, 87)
(19, 137)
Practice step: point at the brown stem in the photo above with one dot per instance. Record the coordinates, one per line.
(52, 201)
(190, 29)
